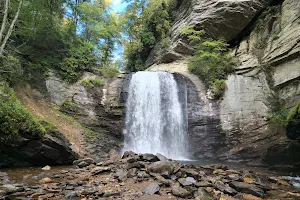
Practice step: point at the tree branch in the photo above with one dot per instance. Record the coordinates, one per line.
(4, 19)
(11, 27)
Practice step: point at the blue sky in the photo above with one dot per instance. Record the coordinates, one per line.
(118, 6)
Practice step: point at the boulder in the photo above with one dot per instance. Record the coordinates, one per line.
(149, 157)
(46, 168)
(247, 188)
(179, 191)
(161, 167)
(152, 188)
(187, 181)
(225, 188)
(202, 194)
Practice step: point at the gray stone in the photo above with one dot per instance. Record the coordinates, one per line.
(247, 188)
(83, 164)
(187, 181)
(202, 194)
(161, 167)
(152, 188)
(9, 188)
(225, 188)
(179, 191)
(149, 157)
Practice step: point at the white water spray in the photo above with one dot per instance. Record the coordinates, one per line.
(156, 120)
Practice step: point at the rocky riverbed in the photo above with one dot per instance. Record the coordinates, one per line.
(147, 177)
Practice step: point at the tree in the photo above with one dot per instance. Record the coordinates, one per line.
(6, 27)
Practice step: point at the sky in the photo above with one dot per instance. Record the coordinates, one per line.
(118, 6)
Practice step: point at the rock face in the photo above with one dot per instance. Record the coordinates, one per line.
(219, 18)
(268, 70)
(100, 109)
(51, 150)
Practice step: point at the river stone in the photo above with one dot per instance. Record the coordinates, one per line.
(8, 188)
(88, 192)
(247, 188)
(202, 194)
(153, 197)
(225, 188)
(87, 160)
(187, 181)
(2, 193)
(121, 175)
(128, 154)
(83, 164)
(161, 167)
(161, 157)
(149, 157)
(46, 168)
(45, 180)
(179, 191)
(152, 188)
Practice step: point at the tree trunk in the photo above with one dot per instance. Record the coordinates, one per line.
(4, 19)
(11, 27)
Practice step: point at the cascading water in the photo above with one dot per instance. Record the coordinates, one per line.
(156, 120)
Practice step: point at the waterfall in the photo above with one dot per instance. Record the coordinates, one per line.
(156, 120)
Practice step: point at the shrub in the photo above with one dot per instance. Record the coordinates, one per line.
(68, 105)
(92, 82)
(15, 120)
(211, 61)
(218, 88)
(109, 72)
(293, 123)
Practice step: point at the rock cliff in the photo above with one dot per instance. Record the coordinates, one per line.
(265, 41)
(98, 109)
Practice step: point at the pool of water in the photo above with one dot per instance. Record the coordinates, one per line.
(32, 175)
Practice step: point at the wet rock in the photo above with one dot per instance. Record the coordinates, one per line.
(187, 181)
(142, 174)
(247, 197)
(179, 191)
(88, 192)
(9, 188)
(202, 194)
(247, 188)
(86, 160)
(2, 193)
(226, 197)
(225, 188)
(149, 157)
(110, 194)
(203, 184)
(121, 175)
(45, 181)
(46, 168)
(189, 172)
(100, 170)
(153, 197)
(152, 188)
(161, 167)
(83, 164)
(114, 155)
(128, 154)
(161, 157)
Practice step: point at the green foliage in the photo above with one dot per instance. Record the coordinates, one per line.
(211, 61)
(80, 58)
(68, 105)
(109, 72)
(92, 82)
(15, 120)
(146, 22)
(218, 88)
(10, 68)
(278, 114)
(293, 123)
